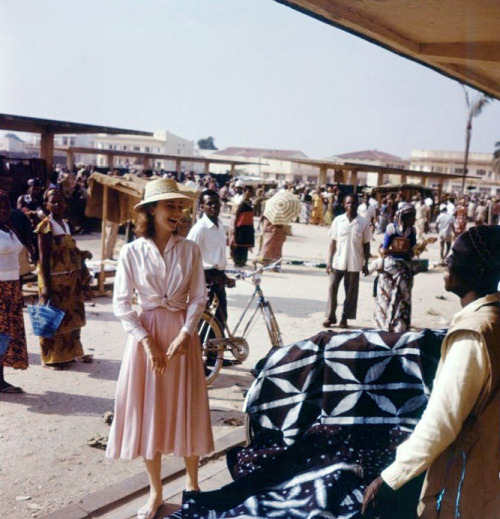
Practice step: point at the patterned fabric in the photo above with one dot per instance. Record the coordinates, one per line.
(12, 324)
(274, 237)
(393, 299)
(328, 414)
(67, 294)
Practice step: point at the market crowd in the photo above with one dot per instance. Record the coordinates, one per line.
(161, 400)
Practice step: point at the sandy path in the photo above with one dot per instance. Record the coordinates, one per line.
(43, 433)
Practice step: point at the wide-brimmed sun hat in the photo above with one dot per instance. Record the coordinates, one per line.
(162, 189)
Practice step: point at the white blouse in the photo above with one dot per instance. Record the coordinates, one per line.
(175, 281)
(10, 248)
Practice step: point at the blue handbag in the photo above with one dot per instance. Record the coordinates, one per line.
(45, 319)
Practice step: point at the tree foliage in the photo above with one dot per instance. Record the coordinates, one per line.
(207, 144)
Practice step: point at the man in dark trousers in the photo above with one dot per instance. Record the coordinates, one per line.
(209, 233)
(348, 255)
(457, 439)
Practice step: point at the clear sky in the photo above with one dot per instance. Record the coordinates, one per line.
(248, 72)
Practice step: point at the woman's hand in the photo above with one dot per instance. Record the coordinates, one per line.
(155, 355)
(44, 296)
(178, 345)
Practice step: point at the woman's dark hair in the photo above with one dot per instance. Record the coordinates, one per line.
(51, 190)
(144, 222)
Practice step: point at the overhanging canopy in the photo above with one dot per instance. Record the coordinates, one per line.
(459, 38)
(21, 123)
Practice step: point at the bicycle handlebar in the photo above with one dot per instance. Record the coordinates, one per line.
(241, 274)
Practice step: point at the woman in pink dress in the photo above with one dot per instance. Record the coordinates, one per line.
(161, 400)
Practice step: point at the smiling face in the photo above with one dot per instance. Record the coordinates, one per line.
(211, 206)
(167, 214)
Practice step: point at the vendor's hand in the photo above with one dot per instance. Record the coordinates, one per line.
(230, 282)
(371, 493)
(86, 254)
(156, 355)
(329, 268)
(365, 270)
(178, 345)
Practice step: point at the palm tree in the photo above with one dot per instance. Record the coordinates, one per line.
(496, 158)
(475, 101)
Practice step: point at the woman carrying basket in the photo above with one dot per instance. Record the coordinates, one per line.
(13, 351)
(161, 400)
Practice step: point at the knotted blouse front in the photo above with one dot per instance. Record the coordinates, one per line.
(174, 280)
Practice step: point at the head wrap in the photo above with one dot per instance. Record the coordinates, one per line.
(482, 246)
(405, 210)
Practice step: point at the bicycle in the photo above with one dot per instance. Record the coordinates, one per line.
(216, 338)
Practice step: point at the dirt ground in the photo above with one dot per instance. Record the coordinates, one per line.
(45, 460)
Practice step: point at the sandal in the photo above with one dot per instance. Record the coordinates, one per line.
(86, 359)
(328, 324)
(57, 366)
(144, 513)
(9, 388)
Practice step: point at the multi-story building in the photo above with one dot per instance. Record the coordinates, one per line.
(268, 164)
(479, 168)
(162, 143)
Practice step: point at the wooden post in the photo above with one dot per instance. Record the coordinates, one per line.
(380, 178)
(354, 178)
(178, 168)
(322, 175)
(102, 273)
(70, 160)
(404, 178)
(233, 169)
(206, 168)
(147, 163)
(111, 162)
(47, 150)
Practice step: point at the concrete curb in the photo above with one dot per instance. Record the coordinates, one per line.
(115, 495)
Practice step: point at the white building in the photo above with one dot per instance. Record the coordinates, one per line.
(479, 168)
(267, 164)
(162, 142)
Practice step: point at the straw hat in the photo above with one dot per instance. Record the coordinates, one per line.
(162, 189)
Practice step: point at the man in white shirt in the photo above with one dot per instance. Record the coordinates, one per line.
(349, 253)
(457, 440)
(444, 227)
(210, 235)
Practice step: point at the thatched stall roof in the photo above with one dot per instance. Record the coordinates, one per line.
(123, 194)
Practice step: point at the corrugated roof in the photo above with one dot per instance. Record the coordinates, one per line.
(260, 152)
(369, 155)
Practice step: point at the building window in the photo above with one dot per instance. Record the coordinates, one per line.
(137, 148)
(459, 171)
(147, 149)
(72, 141)
(125, 148)
(481, 172)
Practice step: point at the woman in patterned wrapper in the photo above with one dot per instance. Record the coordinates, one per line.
(395, 282)
(11, 298)
(161, 398)
(62, 278)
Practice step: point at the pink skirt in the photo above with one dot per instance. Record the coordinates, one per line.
(166, 413)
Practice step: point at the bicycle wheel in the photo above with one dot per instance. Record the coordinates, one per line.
(272, 325)
(212, 356)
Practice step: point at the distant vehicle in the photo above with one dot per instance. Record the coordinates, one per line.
(408, 191)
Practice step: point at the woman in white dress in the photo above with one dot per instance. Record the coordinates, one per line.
(161, 401)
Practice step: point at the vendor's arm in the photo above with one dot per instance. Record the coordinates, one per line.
(197, 294)
(456, 390)
(367, 236)
(123, 293)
